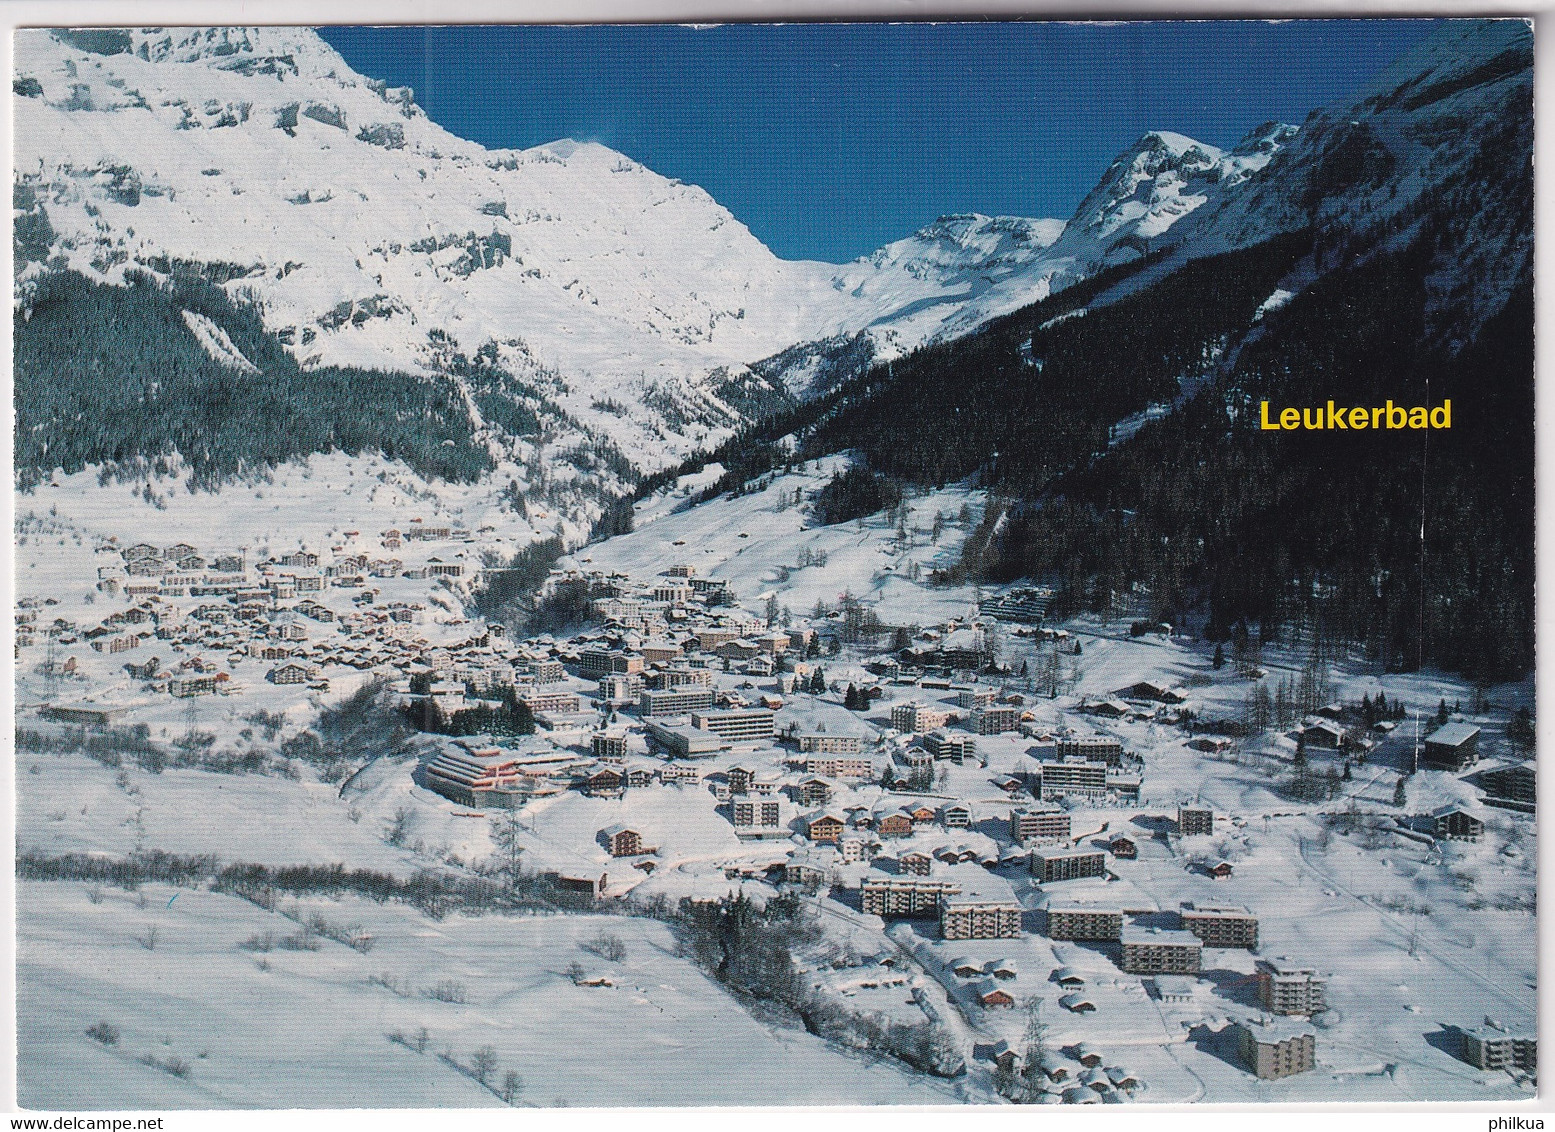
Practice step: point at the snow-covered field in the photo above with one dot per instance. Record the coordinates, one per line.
(758, 541)
(285, 1028)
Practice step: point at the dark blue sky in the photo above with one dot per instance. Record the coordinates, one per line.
(830, 140)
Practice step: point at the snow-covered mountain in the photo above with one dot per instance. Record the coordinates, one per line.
(368, 236)
(1437, 140)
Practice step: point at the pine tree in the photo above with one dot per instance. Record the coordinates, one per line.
(1220, 658)
(1399, 797)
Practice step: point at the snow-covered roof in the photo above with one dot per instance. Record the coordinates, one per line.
(1452, 734)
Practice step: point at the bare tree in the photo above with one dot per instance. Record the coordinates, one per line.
(505, 837)
(607, 946)
(398, 829)
(483, 1063)
(512, 1086)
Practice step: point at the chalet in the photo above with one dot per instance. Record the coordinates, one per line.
(1053, 1066)
(915, 863)
(1077, 1003)
(1220, 870)
(966, 968)
(1009, 783)
(1148, 690)
(621, 841)
(1324, 733)
(956, 815)
(807, 869)
(813, 791)
(1121, 1078)
(604, 783)
(1123, 848)
(922, 814)
(1458, 822)
(994, 997)
(639, 777)
(895, 824)
(1511, 783)
(290, 674)
(1452, 746)
(825, 827)
(740, 778)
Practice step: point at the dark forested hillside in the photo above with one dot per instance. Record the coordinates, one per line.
(1031, 394)
(110, 375)
(1419, 544)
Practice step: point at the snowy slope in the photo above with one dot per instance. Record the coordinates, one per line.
(1432, 140)
(976, 268)
(360, 228)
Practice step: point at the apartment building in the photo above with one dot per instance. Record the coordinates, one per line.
(1077, 776)
(681, 701)
(1193, 820)
(1084, 922)
(1092, 748)
(1222, 927)
(1158, 951)
(980, 915)
(1272, 1050)
(1491, 1047)
(608, 746)
(838, 766)
(1052, 865)
(738, 725)
(970, 697)
(915, 718)
(1286, 988)
(1037, 823)
(561, 703)
(904, 895)
(943, 744)
(596, 662)
(825, 743)
(757, 817)
(995, 719)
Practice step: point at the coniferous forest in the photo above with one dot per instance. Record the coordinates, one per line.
(1416, 545)
(113, 376)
